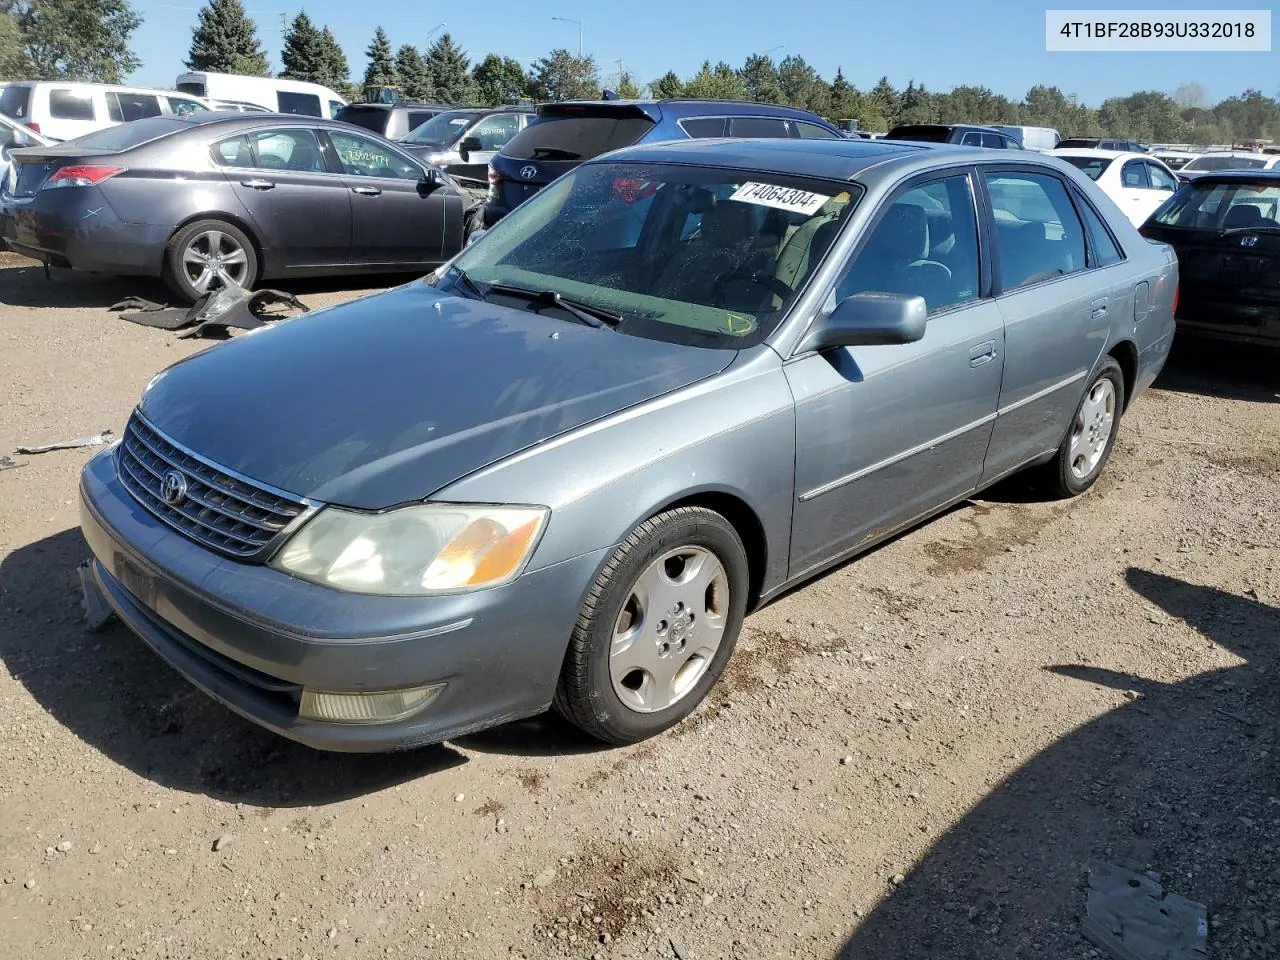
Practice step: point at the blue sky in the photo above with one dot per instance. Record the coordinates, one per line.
(999, 44)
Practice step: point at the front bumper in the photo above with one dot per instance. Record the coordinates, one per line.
(253, 638)
(77, 228)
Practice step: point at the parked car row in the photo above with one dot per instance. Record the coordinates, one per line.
(672, 384)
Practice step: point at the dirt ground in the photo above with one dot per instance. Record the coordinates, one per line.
(911, 757)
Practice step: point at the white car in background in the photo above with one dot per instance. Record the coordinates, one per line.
(1175, 159)
(1136, 182)
(64, 110)
(1229, 160)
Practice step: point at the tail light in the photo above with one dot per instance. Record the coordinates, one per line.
(494, 176)
(81, 175)
(1176, 288)
(34, 127)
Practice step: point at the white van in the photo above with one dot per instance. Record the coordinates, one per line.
(62, 110)
(274, 93)
(1039, 139)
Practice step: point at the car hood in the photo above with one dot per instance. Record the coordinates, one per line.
(389, 398)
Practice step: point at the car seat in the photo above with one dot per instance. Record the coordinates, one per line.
(896, 260)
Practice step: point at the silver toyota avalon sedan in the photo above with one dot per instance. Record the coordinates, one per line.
(560, 470)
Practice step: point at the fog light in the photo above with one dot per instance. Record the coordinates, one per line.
(383, 706)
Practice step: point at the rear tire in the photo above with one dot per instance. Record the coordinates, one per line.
(206, 254)
(657, 628)
(1087, 446)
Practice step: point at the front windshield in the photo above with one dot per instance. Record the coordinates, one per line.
(696, 255)
(1223, 206)
(442, 129)
(1226, 163)
(1091, 167)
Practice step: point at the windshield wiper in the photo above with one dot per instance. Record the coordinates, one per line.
(587, 313)
(1228, 231)
(554, 153)
(464, 279)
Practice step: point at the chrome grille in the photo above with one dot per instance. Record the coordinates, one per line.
(218, 510)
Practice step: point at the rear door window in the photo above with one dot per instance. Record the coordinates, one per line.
(233, 152)
(576, 137)
(1134, 174)
(15, 101)
(701, 127)
(124, 107)
(811, 131)
(772, 127)
(72, 105)
(1038, 234)
(295, 149)
(418, 117)
(301, 104)
(971, 139)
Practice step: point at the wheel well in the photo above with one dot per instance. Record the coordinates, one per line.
(228, 218)
(746, 523)
(1126, 354)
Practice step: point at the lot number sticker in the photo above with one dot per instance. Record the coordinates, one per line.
(781, 198)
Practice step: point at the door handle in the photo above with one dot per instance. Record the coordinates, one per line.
(983, 353)
(366, 191)
(257, 184)
(1098, 308)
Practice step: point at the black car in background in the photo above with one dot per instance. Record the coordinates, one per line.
(563, 135)
(395, 121)
(1225, 228)
(966, 134)
(215, 198)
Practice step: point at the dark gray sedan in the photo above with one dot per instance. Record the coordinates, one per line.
(680, 380)
(214, 198)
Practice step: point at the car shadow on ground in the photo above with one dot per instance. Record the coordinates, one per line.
(113, 693)
(23, 284)
(1214, 368)
(1180, 778)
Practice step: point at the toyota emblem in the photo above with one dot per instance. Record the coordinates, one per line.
(173, 488)
(528, 173)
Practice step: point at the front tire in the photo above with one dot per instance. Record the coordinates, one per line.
(208, 254)
(657, 628)
(1087, 446)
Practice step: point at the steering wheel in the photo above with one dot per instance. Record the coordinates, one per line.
(772, 284)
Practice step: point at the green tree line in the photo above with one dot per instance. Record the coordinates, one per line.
(89, 40)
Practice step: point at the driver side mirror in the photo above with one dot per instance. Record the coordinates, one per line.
(468, 146)
(431, 178)
(869, 319)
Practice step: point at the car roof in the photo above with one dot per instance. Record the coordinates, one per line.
(1097, 152)
(694, 106)
(948, 126)
(837, 159)
(405, 104)
(1256, 173)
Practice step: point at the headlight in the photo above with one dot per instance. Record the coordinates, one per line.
(414, 551)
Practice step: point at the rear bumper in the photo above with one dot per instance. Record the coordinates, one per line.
(76, 228)
(1239, 320)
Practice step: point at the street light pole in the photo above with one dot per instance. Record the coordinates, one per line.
(579, 23)
(438, 26)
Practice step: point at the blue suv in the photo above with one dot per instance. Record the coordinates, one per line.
(563, 135)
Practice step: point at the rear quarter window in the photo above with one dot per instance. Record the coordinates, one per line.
(699, 127)
(770, 127)
(300, 104)
(575, 138)
(123, 107)
(70, 105)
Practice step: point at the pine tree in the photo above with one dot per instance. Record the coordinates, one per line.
(450, 71)
(334, 71)
(226, 41)
(844, 98)
(562, 76)
(71, 40)
(499, 80)
(381, 71)
(415, 82)
(303, 53)
(760, 77)
(667, 86)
